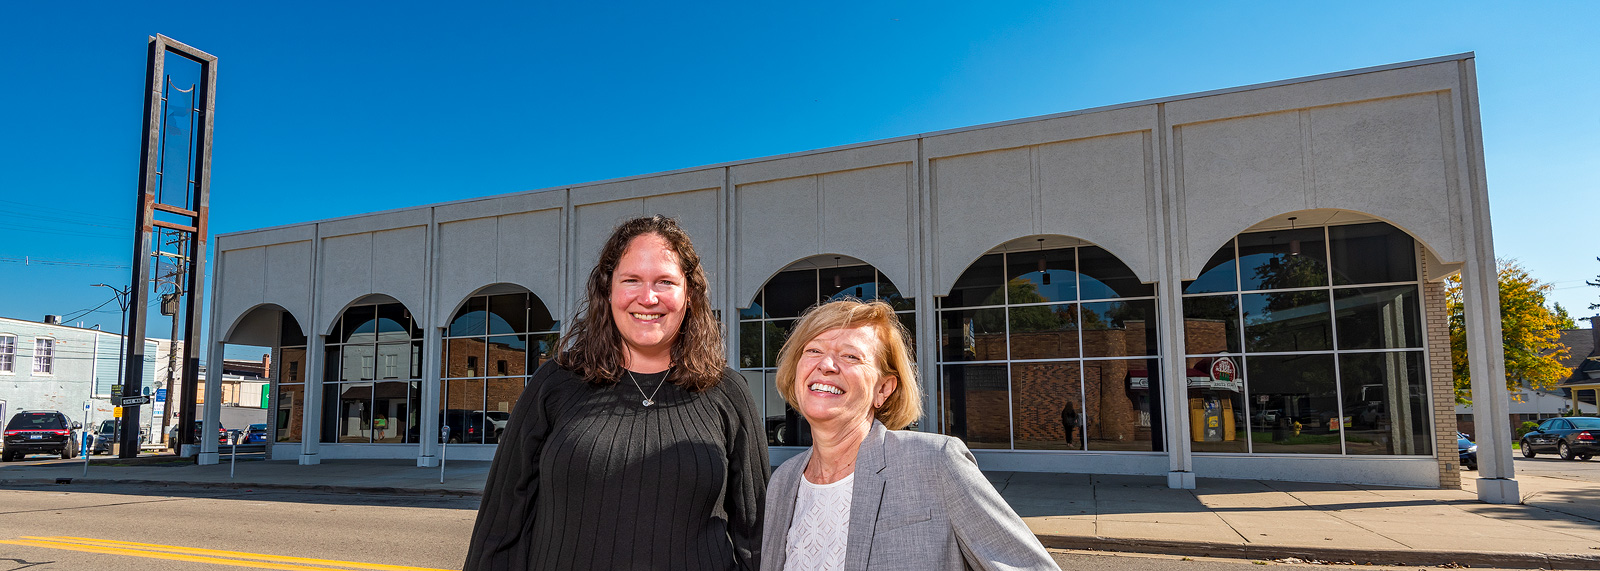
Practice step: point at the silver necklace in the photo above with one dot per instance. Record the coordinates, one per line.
(649, 399)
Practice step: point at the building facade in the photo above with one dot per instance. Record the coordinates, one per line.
(1242, 284)
(50, 366)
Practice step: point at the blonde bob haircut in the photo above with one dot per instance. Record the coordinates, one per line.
(894, 356)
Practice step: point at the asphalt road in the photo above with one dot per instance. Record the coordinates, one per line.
(163, 528)
(1552, 466)
(147, 528)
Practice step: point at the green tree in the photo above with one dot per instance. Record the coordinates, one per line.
(1531, 332)
(1563, 319)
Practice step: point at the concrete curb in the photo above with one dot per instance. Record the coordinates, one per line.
(1405, 557)
(381, 490)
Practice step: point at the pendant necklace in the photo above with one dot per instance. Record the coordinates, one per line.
(649, 399)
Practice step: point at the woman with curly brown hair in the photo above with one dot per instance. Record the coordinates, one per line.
(636, 447)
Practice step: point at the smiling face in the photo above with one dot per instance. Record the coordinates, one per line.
(838, 379)
(649, 296)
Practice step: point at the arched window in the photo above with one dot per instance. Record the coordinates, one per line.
(1050, 343)
(493, 343)
(766, 324)
(371, 384)
(1309, 341)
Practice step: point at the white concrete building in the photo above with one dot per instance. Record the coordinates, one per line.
(1238, 283)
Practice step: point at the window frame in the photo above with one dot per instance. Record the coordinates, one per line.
(1335, 350)
(44, 356)
(1082, 443)
(8, 354)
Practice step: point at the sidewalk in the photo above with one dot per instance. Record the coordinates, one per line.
(1557, 526)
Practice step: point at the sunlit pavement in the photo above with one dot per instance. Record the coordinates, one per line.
(1229, 518)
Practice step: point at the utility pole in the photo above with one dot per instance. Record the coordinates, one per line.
(122, 352)
(169, 307)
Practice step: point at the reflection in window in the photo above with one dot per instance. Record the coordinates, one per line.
(1283, 259)
(1297, 392)
(1034, 349)
(372, 392)
(1287, 321)
(492, 344)
(1216, 404)
(765, 325)
(289, 380)
(1288, 327)
(1378, 317)
(1385, 403)
(978, 404)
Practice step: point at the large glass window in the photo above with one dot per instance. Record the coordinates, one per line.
(371, 386)
(766, 324)
(1050, 348)
(491, 346)
(290, 380)
(1308, 341)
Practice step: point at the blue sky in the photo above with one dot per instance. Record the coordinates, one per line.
(332, 109)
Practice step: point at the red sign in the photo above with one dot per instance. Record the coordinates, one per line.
(1223, 371)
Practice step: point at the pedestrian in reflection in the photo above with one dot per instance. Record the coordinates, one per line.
(636, 447)
(1069, 423)
(868, 495)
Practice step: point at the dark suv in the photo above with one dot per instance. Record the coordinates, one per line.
(40, 432)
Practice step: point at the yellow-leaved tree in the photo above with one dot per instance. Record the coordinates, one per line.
(1530, 331)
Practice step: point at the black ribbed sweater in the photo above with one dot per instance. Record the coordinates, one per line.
(587, 477)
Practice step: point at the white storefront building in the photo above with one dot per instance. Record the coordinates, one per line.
(1245, 283)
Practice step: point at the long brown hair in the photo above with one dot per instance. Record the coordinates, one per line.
(592, 347)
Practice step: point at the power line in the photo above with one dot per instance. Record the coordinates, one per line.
(74, 213)
(30, 260)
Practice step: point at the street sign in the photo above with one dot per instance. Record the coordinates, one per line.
(161, 394)
(129, 401)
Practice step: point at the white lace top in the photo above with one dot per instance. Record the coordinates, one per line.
(821, 526)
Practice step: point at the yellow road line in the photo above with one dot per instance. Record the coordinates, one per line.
(176, 553)
(234, 554)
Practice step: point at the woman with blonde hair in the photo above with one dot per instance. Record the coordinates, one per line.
(867, 494)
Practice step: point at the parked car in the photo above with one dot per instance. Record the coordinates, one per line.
(255, 434)
(499, 418)
(466, 427)
(1468, 451)
(40, 432)
(1572, 438)
(104, 436)
(172, 435)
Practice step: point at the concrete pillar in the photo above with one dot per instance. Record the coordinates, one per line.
(1480, 292)
(1169, 308)
(211, 411)
(311, 421)
(428, 415)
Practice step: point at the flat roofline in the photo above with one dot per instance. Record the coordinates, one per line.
(740, 162)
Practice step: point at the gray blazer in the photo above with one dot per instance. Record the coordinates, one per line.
(919, 503)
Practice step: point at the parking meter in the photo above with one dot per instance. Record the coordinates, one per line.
(444, 441)
(233, 450)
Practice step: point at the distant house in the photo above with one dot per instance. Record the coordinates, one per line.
(1583, 387)
(1533, 405)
